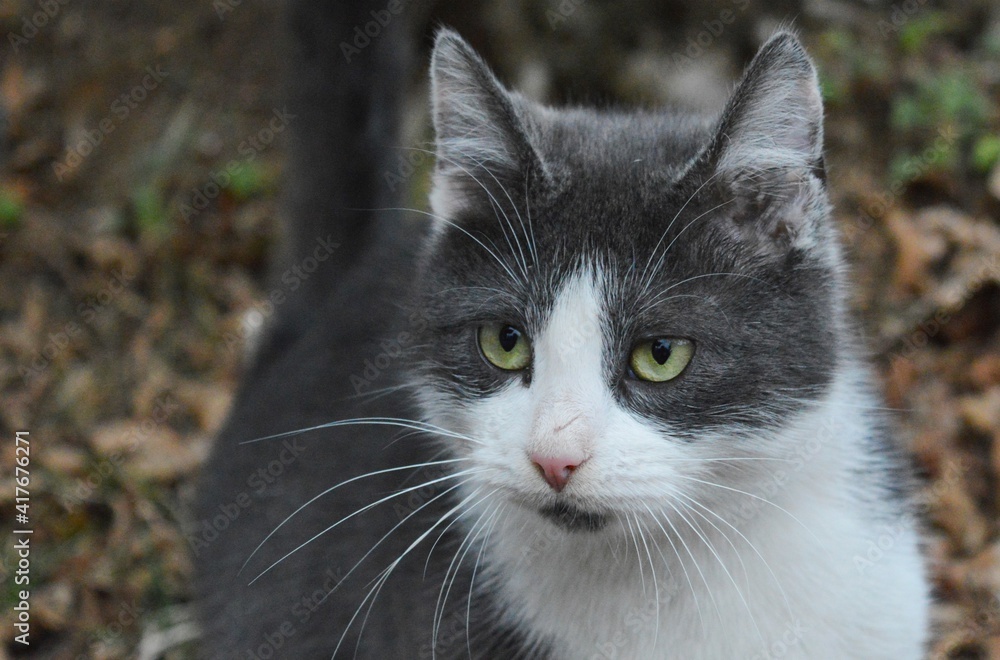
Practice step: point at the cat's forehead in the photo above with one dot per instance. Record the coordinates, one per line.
(619, 185)
(586, 142)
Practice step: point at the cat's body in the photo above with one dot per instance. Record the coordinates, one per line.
(738, 498)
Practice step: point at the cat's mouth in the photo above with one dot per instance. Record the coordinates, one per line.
(572, 518)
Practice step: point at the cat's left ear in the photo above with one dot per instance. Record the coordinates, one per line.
(768, 145)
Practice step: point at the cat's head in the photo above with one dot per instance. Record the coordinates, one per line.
(616, 300)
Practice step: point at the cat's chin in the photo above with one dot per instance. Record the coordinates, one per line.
(572, 518)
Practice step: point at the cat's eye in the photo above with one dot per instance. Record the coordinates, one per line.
(504, 346)
(659, 360)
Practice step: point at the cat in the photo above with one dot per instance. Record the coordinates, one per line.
(606, 402)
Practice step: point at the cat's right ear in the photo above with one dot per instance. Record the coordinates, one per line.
(480, 127)
(774, 119)
(767, 152)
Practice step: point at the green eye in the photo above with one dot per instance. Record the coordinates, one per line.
(504, 346)
(659, 360)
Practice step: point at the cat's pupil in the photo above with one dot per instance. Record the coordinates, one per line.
(661, 350)
(508, 337)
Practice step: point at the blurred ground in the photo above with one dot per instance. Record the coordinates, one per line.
(130, 257)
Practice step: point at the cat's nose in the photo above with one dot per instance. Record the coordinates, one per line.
(556, 469)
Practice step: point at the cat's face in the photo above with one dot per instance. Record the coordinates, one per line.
(623, 307)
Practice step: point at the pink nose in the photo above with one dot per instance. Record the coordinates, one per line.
(556, 469)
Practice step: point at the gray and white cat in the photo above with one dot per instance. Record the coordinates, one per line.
(647, 430)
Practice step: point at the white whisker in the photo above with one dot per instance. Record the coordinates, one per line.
(649, 276)
(503, 264)
(680, 561)
(362, 510)
(388, 570)
(756, 497)
(698, 532)
(711, 596)
(777, 582)
(472, 580)
(495, 204)
(652, 570)
(455, 565)
(413, 424)
(415, 466)
(663, 255)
